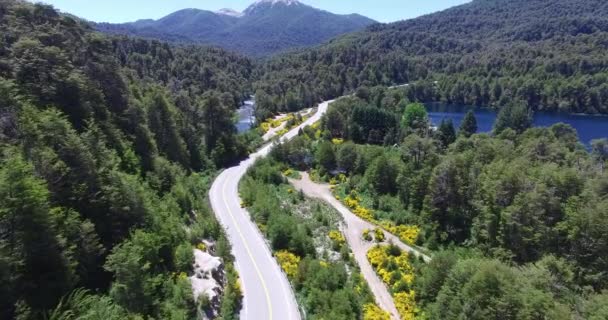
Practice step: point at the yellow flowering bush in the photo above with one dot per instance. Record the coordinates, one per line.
(333, 181)
(376, 256)
(373, 312)
(316, 125)
(289, 262)
(275, 123)
(287, 118)
(337, 237)
(265, 126)
(318, 134)
(323, 264)
(406, 233)
(282, 132)
(379, 235)
(351, 202)
(238, 287)
(364, 213)
(201, 246)
(397, 273)
(406, 304)
(366, 235)
(337, 141)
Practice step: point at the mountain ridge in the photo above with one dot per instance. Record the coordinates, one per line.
(266, 27)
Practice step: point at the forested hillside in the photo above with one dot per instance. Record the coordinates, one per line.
(100, 142)
(548, 53)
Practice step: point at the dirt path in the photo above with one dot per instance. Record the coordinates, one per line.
(354, 227)
(353, 231)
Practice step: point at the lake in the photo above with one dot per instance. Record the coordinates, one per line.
(589, 127)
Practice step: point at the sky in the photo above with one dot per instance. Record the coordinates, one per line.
(116, 11)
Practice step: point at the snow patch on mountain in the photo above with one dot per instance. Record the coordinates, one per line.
(229, 12)
(273, 2)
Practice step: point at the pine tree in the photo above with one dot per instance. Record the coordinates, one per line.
(468, 126)
(446, 132)
(515, 116)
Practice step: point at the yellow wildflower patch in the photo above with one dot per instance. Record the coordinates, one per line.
(406, 233)
(282, 132)
(337, 237)
(275, 123)
(333, 181)
(350, 202)
(406, 304)
(379, 235)
(394, 270)
(337, 141)
(289, 262)
(366, 235)
(373, 312)
(363, 213)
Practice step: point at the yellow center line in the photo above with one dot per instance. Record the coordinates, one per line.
(257, 269)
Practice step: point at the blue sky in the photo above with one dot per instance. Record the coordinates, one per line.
(130, 10)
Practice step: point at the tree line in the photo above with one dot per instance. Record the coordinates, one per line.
(547, 54)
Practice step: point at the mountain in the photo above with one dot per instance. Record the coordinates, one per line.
(547, 54)
(264, 28)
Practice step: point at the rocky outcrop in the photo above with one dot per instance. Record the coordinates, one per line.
(208, 281)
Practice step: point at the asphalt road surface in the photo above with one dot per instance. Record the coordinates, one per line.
(266, 290)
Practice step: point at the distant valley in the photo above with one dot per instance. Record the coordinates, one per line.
(266, 27)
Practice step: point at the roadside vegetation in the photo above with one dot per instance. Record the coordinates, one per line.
(509, 215)
(305, 238)
(397, 273)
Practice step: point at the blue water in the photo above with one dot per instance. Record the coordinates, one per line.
(245, 115)
(589, 127)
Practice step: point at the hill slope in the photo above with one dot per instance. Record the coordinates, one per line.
(548, 53)
(264, 28)
(99, 141)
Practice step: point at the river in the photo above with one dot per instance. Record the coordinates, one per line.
(245, 116)
(589, 127)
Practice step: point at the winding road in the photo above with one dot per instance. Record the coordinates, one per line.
(267, 293)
